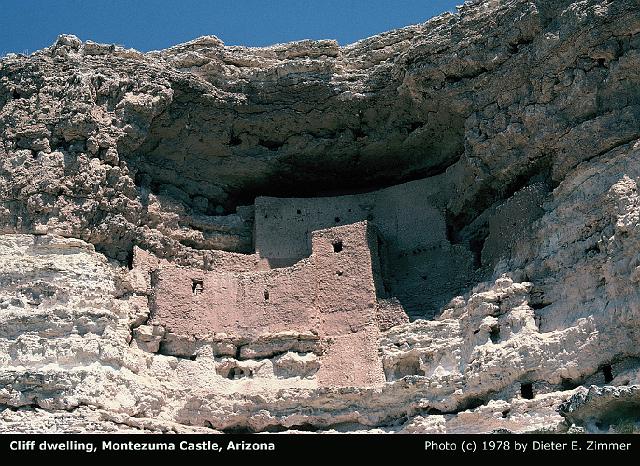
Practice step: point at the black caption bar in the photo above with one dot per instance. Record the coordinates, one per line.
(297, 446)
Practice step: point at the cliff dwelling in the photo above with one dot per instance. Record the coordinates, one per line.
(327, 274)
(326, 304)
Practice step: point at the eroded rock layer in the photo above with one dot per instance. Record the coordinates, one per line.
(431, 230)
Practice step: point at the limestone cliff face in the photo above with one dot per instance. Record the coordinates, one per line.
(495, 151)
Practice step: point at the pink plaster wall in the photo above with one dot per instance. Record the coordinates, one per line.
(332, 294)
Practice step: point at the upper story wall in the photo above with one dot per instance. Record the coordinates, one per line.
(283, 226)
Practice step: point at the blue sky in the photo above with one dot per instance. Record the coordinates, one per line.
(28, 25)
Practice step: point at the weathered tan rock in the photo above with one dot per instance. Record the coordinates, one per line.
(148, 201)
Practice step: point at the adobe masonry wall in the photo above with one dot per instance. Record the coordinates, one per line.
(511, 219)
(400, 214)
(331, 293)
(418, 264)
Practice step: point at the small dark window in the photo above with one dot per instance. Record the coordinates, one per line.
(298, 212)
(130, 260)
(607, 372)
(337, 246)
(526, 390)
(494, 334)
(337, 219)
(197, 286)
(266, 295)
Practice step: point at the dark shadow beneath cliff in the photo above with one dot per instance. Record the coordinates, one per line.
(200, 149)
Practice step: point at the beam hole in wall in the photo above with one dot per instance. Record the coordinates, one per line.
(337, 246)
(526, 391)
(197, 286)
(238, 373)
(607, 372)
(339, 273)
(337, 219)
(266, 295)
